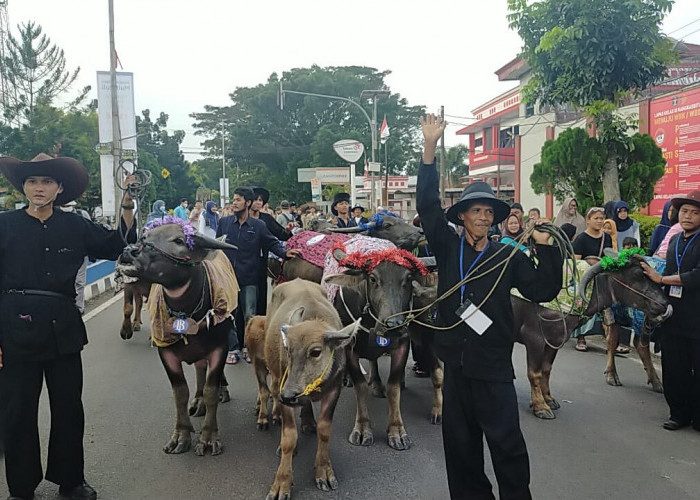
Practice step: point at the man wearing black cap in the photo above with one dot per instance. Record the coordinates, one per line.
(479, 395)
(41, 330)
(680, 334)
(341, 209)
(357, 216)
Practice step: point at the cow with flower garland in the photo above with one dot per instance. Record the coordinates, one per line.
(193, 295)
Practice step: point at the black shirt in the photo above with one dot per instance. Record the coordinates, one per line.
(351, 222)
(487, 356)
(274, 227)
(46, 256)
(684, 320)
(586, 245)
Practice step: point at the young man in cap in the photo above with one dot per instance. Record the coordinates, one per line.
(479, 395)
(252, 237)
(286, 217)
(680, 334)
(341, 209)
(41, 330)
(357, 211)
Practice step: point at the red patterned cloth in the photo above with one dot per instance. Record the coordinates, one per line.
(314, 246)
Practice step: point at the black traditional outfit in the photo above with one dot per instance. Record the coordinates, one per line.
(479, 395)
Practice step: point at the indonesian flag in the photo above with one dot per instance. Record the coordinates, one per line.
(384, 131)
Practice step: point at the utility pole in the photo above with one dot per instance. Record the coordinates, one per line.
(116, 131)
(374, 94)
(223, 186)
(442, 157)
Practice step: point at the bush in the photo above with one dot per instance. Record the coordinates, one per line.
(647, 224)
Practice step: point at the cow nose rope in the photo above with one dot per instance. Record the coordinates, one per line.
(314, 386)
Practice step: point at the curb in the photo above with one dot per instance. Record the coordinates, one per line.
(100, 286)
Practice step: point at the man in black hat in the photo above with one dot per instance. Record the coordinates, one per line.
(357, 211)
(680, 334)
(479, 395)
(41, 330)
(341, 209)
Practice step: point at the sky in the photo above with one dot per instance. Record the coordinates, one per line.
(185, 54)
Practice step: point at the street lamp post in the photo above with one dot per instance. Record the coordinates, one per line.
(223, 187)
(374, 94)
(372, 121)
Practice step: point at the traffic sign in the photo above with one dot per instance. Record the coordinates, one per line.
(349, 150)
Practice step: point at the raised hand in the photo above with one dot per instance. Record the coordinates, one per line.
(433, 128)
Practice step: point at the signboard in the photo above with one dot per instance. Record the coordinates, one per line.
(349, 150)
(326, 175)
(127, 127)
(374, 166)
(315, 190)
(675, 126)
(223, 191)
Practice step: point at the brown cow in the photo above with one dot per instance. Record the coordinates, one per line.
(135, 294)
(305, 352)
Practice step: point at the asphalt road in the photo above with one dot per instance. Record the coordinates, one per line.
(607, 442)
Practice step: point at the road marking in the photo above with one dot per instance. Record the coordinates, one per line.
(102, 307)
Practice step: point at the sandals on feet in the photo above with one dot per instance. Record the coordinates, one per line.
(232, 358)
(581, 346)
(622, 349)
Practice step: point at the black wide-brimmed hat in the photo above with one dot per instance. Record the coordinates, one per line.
(478, 191)
(692, 198)
(68, 172)
(262, 193)
(337, 199)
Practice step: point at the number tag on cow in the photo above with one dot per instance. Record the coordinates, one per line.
(474, 317)
(182, 326)
(676, 291)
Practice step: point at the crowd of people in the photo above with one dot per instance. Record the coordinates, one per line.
(475, 343)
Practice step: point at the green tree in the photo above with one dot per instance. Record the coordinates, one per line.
(34, 72)
(593, 55)
(265, 145)
(456, 163)
(573, 165)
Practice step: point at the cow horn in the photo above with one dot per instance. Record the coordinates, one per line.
(590, 273)
(345, 229)
(206, 242)
(372, 224)
(339, 255)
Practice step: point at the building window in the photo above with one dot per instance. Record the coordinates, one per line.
(507, 137)
(488, 143)
(479, 145)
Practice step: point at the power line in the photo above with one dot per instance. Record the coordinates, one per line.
(684, 26)
(691, 33)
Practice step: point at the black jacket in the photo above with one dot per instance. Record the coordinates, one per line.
(684, 320)
(46, 256)
(487, 356)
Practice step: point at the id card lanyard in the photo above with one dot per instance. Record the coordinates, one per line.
(473, 264)
(679, 259)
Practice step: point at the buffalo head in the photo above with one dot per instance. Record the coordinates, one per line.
(315, 356)
(628, 286)
(166, 255)
(394, 229)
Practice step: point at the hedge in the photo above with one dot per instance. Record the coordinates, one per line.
(647, 224)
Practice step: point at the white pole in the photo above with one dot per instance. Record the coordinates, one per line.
(224, 192)
(116, 132)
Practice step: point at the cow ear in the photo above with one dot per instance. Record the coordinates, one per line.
(341, 338)
(424, 295)
(207, 243)
(351, 278)
(297, 316)
(428, 280)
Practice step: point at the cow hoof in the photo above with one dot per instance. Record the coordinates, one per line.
(347, 381)
(553, 404)
(436, 418)
(400, 443)
(197, 408)
(263, 426)
(327, 484)
(378, 390)
(126, 333)
(309, 428)
(547, 414)
(613, 380)
(361, 438)
(657, 386)
(175, 447)
(224, 396)
(277, 494)
(137, 327)
(276, 421)
(216, 448)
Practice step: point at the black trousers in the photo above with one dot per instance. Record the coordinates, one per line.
(21, 382)
(473, 409)
(680, 361)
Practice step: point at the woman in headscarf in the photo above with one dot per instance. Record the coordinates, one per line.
(209, 220)
(157, 211)
(568, 214)
(662, 229)
(626, 226)
(610, 228)
(512, 229)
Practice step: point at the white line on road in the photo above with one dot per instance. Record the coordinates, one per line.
(102, 307)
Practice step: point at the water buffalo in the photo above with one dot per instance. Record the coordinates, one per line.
(379, 292)
(543, 330)
(304, 348)
(190, 308)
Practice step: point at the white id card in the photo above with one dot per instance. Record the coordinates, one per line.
(474, 317)
(676, 291)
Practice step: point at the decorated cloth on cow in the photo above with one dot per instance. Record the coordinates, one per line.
(359, 244)
(315, 246)
(223, 288)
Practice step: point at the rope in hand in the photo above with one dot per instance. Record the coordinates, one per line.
(137, 191)
(561, 241)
